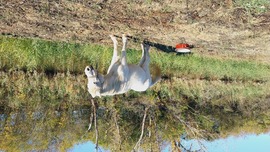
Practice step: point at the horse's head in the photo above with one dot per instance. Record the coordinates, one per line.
(90, 71)
(95, 81)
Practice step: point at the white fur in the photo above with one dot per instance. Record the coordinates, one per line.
(121, 77)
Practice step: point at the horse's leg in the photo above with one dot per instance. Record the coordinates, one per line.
(123, 71)
(115, 56)
(123, 57)
(145, 60)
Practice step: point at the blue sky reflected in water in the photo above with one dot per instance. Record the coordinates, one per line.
(241, 143)
(85, 147)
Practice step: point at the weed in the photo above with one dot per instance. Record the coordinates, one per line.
(254, 6)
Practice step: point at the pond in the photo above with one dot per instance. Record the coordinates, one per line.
(40, 112)
(242, 143)
(49, 129)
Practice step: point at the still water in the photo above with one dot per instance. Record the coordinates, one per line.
(43, 128)
(241, 143)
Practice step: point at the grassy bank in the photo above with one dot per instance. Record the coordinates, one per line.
(47, 56)
(230, 84)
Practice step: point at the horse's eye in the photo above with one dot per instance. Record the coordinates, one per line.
(88, 69)
(95, 82)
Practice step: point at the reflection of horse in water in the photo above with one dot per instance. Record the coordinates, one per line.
(121, 76)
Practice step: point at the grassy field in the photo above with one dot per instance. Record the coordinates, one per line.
(204, 80)
(39, 55)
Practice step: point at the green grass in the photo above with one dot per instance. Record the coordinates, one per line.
(34, 54)
(254, 6)
(212, 69)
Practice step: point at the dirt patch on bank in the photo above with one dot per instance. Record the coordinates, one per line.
(216, 28)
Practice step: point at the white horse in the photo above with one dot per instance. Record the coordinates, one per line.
(121, 76)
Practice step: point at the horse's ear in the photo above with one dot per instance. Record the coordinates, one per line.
(91, 67)
(92, 70)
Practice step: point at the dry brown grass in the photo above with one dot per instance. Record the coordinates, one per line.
(216, 28)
